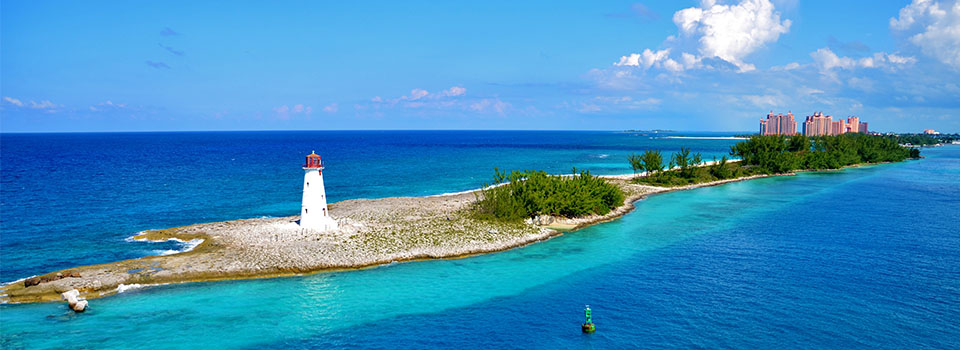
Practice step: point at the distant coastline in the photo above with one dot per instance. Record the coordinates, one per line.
(705, 137)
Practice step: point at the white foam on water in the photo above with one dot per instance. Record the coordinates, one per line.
(186, 246)
(166, 252)
(133, 286)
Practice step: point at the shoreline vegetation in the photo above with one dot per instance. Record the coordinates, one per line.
(520, 208)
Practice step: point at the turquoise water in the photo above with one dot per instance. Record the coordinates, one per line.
(866, 257)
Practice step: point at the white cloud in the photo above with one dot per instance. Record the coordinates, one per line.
(617, 104)
(106, 106)
(827, 60)
(731, 32)
(453, 98)
(646, 59)
(488, 104)
(331, 108)
(420, 95)
(727, 32)
(415, 94)
(13, 101)
(286, 112)
(939, 33)
(45, 104)
(454, 91)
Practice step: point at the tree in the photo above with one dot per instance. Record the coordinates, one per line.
(652, 161)
(915, 153)
(799, 143)
(721, 170)
(636, 162)
(682, 159)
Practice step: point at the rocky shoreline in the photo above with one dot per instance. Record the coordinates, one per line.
(372, 232)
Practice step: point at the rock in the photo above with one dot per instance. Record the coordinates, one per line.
(71, 296)
(32, 281)
(541, 220)
(81, 306)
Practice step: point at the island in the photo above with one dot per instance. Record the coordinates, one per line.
(516, 209)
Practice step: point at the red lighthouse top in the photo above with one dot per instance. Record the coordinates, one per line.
(313, 161)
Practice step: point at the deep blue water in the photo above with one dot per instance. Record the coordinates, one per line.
(865, 257)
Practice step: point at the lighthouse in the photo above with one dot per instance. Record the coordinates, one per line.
(314, 213)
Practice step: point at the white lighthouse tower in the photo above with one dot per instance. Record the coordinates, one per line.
(314, 213)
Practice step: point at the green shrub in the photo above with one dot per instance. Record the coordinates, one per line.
(522, 194)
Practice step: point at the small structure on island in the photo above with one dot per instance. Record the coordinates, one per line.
(587, 325)
(313, 212)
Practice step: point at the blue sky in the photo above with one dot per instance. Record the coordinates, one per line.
(685, 65)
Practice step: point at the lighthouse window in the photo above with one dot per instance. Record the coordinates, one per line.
(306, 211)
(324, 211)
(308, 184)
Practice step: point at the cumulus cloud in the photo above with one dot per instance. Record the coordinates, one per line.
(724, 35)
(331, 108)
(645, 59)
(731, 32)
(934, 27)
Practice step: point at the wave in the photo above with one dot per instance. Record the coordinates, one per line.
(185, 246)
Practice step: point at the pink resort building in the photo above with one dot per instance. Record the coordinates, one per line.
(778, 124)
(818, 124)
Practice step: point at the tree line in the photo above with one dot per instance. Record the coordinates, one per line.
(774, 154)
(770, 154)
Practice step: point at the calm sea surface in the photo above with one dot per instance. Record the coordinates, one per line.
(865, 257)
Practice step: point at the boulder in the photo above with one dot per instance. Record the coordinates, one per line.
(80, 306)
(32, 281)
(72, 297)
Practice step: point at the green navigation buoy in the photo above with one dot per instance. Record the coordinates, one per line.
(587, 325)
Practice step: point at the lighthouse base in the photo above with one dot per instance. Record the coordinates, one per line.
(321, 224)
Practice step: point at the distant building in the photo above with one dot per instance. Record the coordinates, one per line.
(930, 132)
(778, 124)
(818, 124)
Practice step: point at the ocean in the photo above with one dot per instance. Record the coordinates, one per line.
(864, 257)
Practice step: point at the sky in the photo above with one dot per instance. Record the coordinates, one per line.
(706, 65)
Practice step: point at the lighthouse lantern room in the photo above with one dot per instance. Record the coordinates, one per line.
(314, 213)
